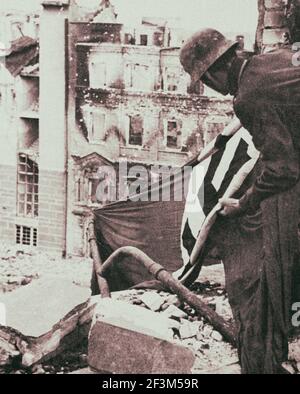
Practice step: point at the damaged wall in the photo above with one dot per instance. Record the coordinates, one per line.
(16, 25)
(7, 156)
(93, 104)
(8, 113)
(112, 112)
(278, 24)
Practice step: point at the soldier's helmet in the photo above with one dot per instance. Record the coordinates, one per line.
(202, 50)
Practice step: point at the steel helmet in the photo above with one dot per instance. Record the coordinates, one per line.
(202, 50)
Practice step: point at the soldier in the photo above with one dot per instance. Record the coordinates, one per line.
(261, 261)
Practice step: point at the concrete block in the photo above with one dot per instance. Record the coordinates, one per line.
(129, 339)
(35, 309)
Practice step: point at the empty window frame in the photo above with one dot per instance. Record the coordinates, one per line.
(144, 39)
(129, 39)
(28, 187)
(136, 130)
(158, 39)
(26, 236)
(173, 134)
(172, 79)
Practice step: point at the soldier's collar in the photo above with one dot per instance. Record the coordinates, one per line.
(235, 74)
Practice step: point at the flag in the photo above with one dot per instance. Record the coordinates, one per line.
(167, 230)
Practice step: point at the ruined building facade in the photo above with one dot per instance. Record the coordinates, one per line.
(92, 93)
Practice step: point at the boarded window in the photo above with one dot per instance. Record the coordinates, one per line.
(144, 39)
(173, 134)
(26, 236)
(97, 132)
(28, 187)
(136, 130)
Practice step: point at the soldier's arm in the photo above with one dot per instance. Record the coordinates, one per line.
(280, 159)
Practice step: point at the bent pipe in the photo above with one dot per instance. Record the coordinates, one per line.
(97, 262)
(175, 286)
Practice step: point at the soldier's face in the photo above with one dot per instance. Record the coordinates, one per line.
(216, 77)
(217, 80)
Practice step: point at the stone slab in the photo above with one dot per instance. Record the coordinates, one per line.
(128, 339)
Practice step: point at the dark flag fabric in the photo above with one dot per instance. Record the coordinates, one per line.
(166, 229)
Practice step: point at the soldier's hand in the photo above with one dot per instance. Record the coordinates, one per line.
(230, 207)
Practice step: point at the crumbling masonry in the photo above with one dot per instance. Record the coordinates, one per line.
(93, 93)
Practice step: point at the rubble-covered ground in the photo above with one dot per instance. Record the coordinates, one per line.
(18, 269)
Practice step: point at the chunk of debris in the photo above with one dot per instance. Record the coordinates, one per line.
(188, 330)
(173, 311)
(8, 353)
(207, 331)
(152, 300)
(217, 336)
(38, 370)
(129, 339)
(173, 299)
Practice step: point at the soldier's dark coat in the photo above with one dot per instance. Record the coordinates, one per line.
(261, 247)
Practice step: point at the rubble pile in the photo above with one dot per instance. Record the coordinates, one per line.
(19, 268)
(211, 351)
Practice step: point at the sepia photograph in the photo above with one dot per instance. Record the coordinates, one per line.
(149, 190)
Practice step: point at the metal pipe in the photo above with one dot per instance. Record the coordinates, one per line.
(173, 285)
(97, 261)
